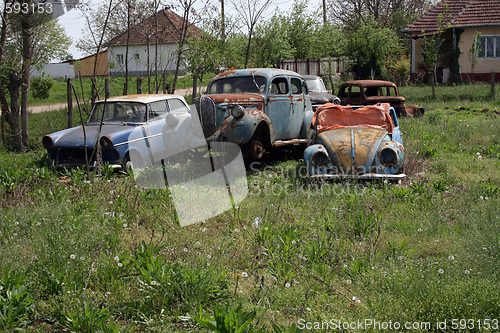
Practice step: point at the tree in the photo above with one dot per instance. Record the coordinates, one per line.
(27, 39)
(370, 46)
(249, 12)
(394, 14)
(271, 43)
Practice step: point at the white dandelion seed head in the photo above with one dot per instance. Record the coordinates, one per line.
(467, 272)
(120, 264)
(451, 257)
(82, 258)
(116, 258)
(184, 249)
(356, 299)
(441, 271)
(257, 222)
(16, 223)
(348, 281)
(125, 225)
(72, 256)
(197, 244)
(287, 285)
(244, 274)
(209, 256)
(481, 198)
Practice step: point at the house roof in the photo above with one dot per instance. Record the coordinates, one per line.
(458, 14)
(169, 30)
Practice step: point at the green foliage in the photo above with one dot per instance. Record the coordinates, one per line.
(15, 301)
(40, 87)
(90, 318)
(371, 46)
(227, 320)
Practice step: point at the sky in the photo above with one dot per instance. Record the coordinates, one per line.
(73, 21)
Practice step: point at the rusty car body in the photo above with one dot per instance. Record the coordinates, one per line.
(111, 123)
(257, 108)
(318, 93)
(361, 143)
(370, 92)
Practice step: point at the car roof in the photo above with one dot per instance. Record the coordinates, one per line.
(370, 83)
(265, 72)
(311, 77)
(142, 98)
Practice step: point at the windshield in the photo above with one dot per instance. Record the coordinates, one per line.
(240, 84)
(123, 112)
(315, 84)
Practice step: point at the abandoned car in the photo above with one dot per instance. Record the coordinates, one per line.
(257, 108)
(111, 122)
(318, 93)
(361, 143)
(369, 92)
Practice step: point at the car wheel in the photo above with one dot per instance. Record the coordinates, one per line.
(256, 149)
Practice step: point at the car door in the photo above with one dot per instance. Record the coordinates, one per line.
(279, 107)
(298, 107)
(157, 111)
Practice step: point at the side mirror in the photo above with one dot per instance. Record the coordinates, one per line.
(171, 120)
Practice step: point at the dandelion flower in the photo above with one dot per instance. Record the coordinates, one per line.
(209, 257)
(244, 274)
(120, 264)
(287, 285)
(72, 256)
(441, 271)
(467, 272)
(451, 257)
(348, 281)
(125, 225)
(116, 258)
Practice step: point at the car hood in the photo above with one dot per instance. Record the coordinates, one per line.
(352, 148)
(74, 137)
(318, 97)
(250, 98)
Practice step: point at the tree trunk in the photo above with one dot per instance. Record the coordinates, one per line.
(12, 117)
(433, 84)
(195, 85)
(125, 85)
(69, 96)
(247, 50)
(26, 35)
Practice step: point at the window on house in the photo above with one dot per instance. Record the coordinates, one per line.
(119, 59)
(489, 47)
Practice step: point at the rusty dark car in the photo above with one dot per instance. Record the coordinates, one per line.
(257, 108)
(318, 93)
(370, 92)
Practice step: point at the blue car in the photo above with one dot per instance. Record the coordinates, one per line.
(112, 122)
(355, 142)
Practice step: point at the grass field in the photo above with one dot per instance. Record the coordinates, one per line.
(58, 91)
(100, 255)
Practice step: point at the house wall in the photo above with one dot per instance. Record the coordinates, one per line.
(483, 68)
(60, 70)
(85, 66)
(167, 54)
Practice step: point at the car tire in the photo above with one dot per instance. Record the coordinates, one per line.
(255, 149)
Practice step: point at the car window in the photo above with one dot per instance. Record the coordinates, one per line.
(355, 91)
(343, 91)
(296, 86)
(176, 105)
(373, 91)
(118, 112)
(157, 109)
(391, 91)
(238, 84)
(279, 86)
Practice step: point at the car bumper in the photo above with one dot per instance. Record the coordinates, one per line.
(366, 176)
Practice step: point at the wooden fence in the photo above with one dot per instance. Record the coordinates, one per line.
(320, 67)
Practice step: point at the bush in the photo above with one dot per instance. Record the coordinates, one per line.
(40, 87)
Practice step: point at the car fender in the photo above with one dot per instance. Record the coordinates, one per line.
(242, 130)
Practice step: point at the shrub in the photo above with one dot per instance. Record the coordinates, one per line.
(40, 87)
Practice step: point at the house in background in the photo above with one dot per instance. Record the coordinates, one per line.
(465, 21)
(160, 31)
(84, 67)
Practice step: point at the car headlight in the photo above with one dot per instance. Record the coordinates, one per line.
(106, 142)
(388, 157)
(237, 111)
(47, 141)
(336, 101)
